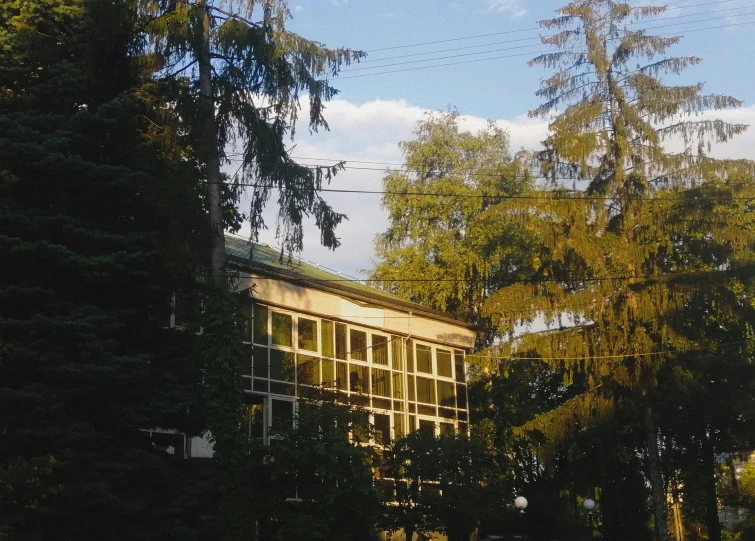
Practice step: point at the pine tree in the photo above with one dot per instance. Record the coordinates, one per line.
(627, 257)
(95, 215)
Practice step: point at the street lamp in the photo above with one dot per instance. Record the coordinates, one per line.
(589, 505)
(521, 503)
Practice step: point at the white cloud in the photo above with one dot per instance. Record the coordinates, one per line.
(339, 3)
(298, 8)
(371, 132)
(509, 7)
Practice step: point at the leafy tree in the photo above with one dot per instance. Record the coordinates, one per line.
(428, 235)
(95, 214)
(321, 481)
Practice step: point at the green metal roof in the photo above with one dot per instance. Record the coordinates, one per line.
(267, 260)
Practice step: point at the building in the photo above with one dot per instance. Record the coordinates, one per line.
(311, 327)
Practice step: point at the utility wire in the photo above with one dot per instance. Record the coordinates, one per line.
(514, 31)
(350, 70)
(397, 57)
(599, 357)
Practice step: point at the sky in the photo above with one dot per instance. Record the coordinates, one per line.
(381, 99)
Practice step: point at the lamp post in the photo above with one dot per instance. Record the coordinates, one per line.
(589, 506)
(520, 503)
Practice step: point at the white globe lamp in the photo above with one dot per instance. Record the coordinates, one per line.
(589, 505)
(520, 503)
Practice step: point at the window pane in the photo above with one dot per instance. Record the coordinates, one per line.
(379, 349)
(410, 356)
(328, 380)
(427, 428)
(398, 385)
(425, 391)
(358, 345)
(398, 425)
(463, 429)
(461, 396)
(248, 314)
(446, 394)
(443, 360)
(341, 341)
(342, 381)
(461, 373)
(281, 365)
(397, 353)
(446, 429)
(424, 359)
(381, 383)
(260, 362)
(307, 334)
(307, 370)
(412, 424)
(260, 325)
(358, 378)
(282, 413)
(327, 338)
(245, 362)
(382, 429)
(256, 415)
(282, 329)
(410, 389)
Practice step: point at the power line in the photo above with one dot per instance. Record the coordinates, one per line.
(515, 31)
(599, 357)
(350, 70)
(519, 40)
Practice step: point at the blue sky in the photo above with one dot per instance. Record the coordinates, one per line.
(373, 114)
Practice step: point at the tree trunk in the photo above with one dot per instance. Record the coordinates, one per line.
(709, 474)
(408, 534)
(210, 139)
(656, 479)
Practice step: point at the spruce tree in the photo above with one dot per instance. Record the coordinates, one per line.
(96, 212)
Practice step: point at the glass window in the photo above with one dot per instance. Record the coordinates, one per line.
(398, 425)
(446, 429)
(446, 394)
(461, 373)
(398, 385)
(327, 338)
(282, 413)
(381, 383)
(256, 415)
(328, 380)
(283, 326)
(307, 370)
(424, 359)
(443, 362)
(427, 428)
(397, 353)
(246, 310)
(342, 380)
(412, 424)
(260, 325)
(410, 388)
(245, 362)
(341, 341)
(461, 396)
(463, 429)
(425, 390)
(358, 345)
(281, 365)
(380, 349)
(410, 356)
(260, 362)
(358, 378)
(382, 429)
(307, 334)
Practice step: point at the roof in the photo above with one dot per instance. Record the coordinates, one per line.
(267, 260)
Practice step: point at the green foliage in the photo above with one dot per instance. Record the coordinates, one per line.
(431, 236)
(259, 71)
(92, 244)
(332, 476)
